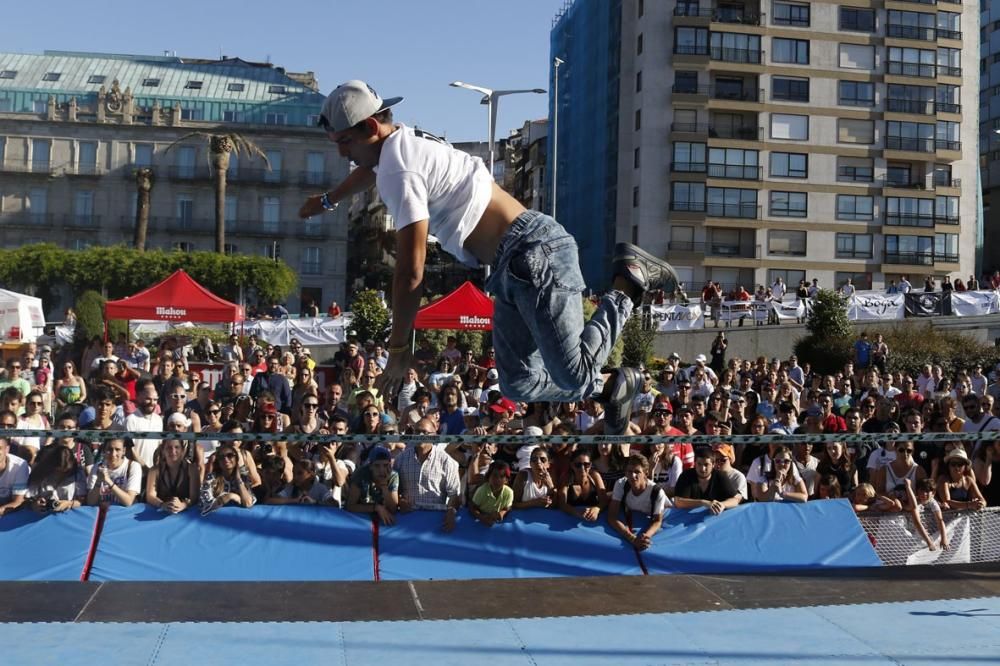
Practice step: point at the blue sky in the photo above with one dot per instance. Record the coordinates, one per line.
(412, 48)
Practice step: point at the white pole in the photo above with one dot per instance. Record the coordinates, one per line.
(555, 138)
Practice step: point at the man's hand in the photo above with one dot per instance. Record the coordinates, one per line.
(391, 379)
(311, 207)
(385, 515)
(642, 542)
(716, 507)
(404, 505)
(449, 520)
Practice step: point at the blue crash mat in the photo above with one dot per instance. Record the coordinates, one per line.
(771, 536)
(531, 543)
(262, 543)
(53, 547)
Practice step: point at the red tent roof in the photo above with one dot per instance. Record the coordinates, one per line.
(178, 298)
(465, 309)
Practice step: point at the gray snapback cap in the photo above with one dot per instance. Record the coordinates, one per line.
(350, 103)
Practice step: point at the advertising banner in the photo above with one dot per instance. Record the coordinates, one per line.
(677, 317)
(928, 304)
(789, 309)
(875, 306)
(974, 303)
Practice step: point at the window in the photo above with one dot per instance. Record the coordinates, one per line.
(686, 83)
(688, 157)
(731, 202)
(186, 156)
(789, 277)
(638, 44)
(850, 207)
(638, 119)
(193, 85)
(41, 155)
(733, 163)
(909, 212)
(270, 213)
(787, 13)
(918, 137)
(856, 93)
(635, 197)
(272, 250)
(182, 246)
(315, 168)
(788, 126)
(855, 169)
(276, 90)
(690, 41)
(949, 25)
(150, 83)
(681, 238)
(794, 51)
(87, 157)
(910, 99)
(850, 130)
(789, 89)
(272, 118)
(945, 247)
(911, 25)
(635, 159)
(236, 87)
(638, 81)
(687, 197)
(912, 62)
(8, 74)
(52, 76)
(6, 105)
(946, 135)
(788, 204)
(790, 165)
(859, 280)
(790, 243)
(311, 263)
(192, 114)
(274, 159)
(143, 155)
(735, 47)
(232, 117)
(40, 106)
(942, 174)
(949, 61)
(854, 246)
(946, 210)
(898, 175)
(96, 79)
(83, 208)
(37, 205)
(856, 56)
(947, 98)
(230, 249)
(231, 210)
(909, 250)
(185, 211)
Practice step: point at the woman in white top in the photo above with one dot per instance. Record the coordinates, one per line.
(637, 493)
(781, 482)
(117, 480)
(889, 479)
(533, 487)
(666, 466)
(33, 419)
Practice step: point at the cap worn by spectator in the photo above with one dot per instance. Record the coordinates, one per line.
(675, 355)
(957, 454)
(663, 406)
(534, 431)
(379, 453)
(492, 375)
(700, 358)
(684, 409)
(814, 411)
(179, 419)
(268, 408)
(726, 450)
(470, 411)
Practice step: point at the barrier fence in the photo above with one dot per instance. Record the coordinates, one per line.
(974, 537)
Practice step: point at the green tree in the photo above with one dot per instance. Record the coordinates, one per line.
(371, 316)
(829, 344)
(636, 343)
(89, 309)
(220, 149)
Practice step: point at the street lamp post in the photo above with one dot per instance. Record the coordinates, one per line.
(555, 135)
(491, 99)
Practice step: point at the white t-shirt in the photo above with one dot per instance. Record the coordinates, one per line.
(643, 502)
(127, 476)
(666, 477)
(14, 480)
(144, 448)
(421, 177)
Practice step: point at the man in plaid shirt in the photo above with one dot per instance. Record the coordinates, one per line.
(428, 478)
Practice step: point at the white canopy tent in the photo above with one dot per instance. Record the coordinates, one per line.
(22, 318)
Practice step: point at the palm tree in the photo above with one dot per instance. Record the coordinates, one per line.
(143, 186)
(220, 147)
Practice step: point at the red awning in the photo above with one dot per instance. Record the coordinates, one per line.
(178, 298)
(465, 309)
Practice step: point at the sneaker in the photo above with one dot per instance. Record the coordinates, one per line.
(642, 269)
(618, 405)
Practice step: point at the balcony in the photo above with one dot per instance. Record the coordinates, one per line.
(944, 179)
(40, 168)
(687, 206)
(923, 220)
(911, 32)
(183, 225)
(189, 173)
(314, 178)
(83, 170)
(919, 258)
(735, 171)
(23, 219)
(715, 249)
(911, 144)
(949, 70)
(923, 70)
(740, 94)
(690, 128)
(747, 56)
(947, 144)
(686, 89)
(741, 133)
(688, 167)
(82, 221)
(854, 174)
(312, 231)
(916, 106)
(736, 16)
(128, 171)
(691, 49)
(744, 211)
(261, 176)
(944, 33)
(947, 107)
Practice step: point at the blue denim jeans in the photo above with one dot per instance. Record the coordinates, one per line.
(544, 351)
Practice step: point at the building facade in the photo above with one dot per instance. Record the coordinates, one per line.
(526, 155)
(74, 127)
(989, 126)
(821, 140)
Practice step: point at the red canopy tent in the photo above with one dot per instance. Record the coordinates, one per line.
(465, 309)
(177, 298)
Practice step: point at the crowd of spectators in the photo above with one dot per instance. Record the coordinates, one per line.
(126, 388)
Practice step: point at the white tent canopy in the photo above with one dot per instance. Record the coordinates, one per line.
(22, 318)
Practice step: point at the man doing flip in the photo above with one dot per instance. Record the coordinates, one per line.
(544, 350)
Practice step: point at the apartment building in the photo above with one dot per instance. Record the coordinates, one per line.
(74, 127)
(759, 139)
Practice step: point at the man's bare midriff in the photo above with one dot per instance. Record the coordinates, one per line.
(501, 212)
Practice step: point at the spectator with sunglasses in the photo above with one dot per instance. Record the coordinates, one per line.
(956, 482)
(780, 482)
(534, 487)
(226, 484)
(888, 480)
(583, 494)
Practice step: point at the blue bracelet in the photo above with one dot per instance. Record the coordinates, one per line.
(325, 202)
